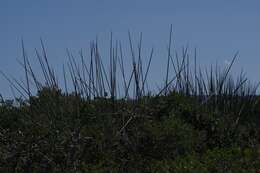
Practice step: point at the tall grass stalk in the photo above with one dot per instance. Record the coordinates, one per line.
(90, 79)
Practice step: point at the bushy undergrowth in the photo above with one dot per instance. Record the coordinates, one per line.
(196, 122)
(155, 135)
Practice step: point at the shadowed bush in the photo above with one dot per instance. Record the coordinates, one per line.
(107, 120)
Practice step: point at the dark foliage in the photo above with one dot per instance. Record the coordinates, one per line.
(54, 132)
(111, 122)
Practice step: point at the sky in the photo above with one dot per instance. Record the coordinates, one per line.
(218, 29)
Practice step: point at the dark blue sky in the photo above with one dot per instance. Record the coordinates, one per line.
(217, 28)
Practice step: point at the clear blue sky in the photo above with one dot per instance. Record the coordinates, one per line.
(217, 28)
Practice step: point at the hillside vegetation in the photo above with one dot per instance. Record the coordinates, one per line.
(107, 120)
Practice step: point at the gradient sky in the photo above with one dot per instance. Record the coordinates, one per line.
(216, 28)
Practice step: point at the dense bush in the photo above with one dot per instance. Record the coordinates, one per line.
(195, 123)
(162, 134)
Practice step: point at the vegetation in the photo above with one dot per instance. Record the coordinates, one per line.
(197, 121)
